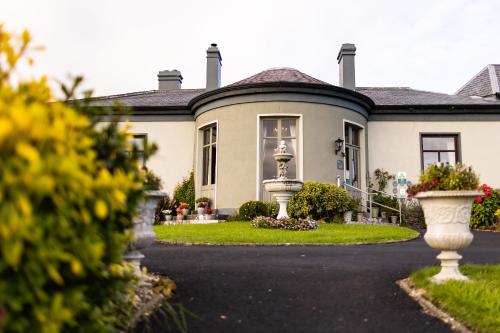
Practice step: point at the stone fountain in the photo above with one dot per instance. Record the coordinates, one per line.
(282, 188)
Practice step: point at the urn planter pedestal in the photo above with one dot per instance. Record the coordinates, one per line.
(447, 216)
(143, 234)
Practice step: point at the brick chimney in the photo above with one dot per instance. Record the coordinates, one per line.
(347, 77)
(168, 80)
(214, 64)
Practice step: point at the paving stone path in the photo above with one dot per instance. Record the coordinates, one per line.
(282, 289)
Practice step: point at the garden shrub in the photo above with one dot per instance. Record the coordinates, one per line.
(289, 223)
(152, 182)
(68, 194)
(184, 191)
(273, 208)
(319, 201)
(251, 209)
(484, 210)
(412, 214)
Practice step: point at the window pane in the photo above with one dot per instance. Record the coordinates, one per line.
(430, 158)
(269, 167)
(292, 165)
(214, 134)
(436, 143)
(355, 136)
(206, 158)
(206, 136)
(288, 128)
(212, 164)
(270, 128)
(447, 157)
(347, 132)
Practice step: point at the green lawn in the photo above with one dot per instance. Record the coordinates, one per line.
(244, 233)
(476, 303)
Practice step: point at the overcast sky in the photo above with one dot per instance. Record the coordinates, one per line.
(119, 46)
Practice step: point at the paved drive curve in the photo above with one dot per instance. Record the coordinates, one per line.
(282, 289)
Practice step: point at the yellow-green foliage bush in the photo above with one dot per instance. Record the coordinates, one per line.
(65, 213)
(319, 201)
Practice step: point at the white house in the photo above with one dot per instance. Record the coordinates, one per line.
(227, 134)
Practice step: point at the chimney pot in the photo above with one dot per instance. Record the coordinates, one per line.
(168, 80)
(345, 58)
(214, 64)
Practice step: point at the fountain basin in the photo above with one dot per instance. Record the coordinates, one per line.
(283, 185)
(283, 190)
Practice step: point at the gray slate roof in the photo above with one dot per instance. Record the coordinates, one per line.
(281, 74)
(404, 96)
(151, 98)
(381, 96)
(485, 83)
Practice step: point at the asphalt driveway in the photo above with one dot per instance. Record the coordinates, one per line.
(304, 288)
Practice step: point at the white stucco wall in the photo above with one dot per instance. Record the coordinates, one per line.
(395, 146)
(174, 157)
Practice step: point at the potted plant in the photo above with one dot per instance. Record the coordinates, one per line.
(168, 214)
(202, 206)
(209, 213)
(446, 194)
(359, 216)
(182, 210)
(352, 205)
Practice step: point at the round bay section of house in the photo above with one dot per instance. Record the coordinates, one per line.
(239, 126)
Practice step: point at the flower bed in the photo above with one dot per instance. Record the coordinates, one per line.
(284, 223)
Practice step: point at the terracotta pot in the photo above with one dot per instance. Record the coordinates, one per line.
(447, 216)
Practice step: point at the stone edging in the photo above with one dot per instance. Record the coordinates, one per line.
(161, 241)
(430, 308)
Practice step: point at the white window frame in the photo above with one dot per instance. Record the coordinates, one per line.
(300, 143)
(199, 148)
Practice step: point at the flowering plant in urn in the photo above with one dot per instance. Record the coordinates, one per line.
(446, 194)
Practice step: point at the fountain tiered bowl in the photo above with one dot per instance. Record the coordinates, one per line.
(282, 188)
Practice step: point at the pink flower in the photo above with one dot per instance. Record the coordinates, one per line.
(478, 200)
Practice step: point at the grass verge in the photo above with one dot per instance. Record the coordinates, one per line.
(244, 233)
(475, 303)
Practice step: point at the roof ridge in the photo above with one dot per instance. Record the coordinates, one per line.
(493, 79)
(144, 92)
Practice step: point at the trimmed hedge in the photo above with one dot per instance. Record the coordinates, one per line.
(319, 201)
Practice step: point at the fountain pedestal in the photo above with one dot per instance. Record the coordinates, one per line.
(282, 188)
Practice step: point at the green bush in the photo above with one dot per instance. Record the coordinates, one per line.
(412, 214)
(252, 209)
(483, 212)
(184, 191)
(273, 208)
(68, 193)
(319, 201)
(152, 182)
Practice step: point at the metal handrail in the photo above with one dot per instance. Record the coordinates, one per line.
(370, 199)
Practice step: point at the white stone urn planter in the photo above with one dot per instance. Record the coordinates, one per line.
(447, 216)
(143, 234)
(348, 216)
(201, 211)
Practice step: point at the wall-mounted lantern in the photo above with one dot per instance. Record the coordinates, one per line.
(339, 143)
